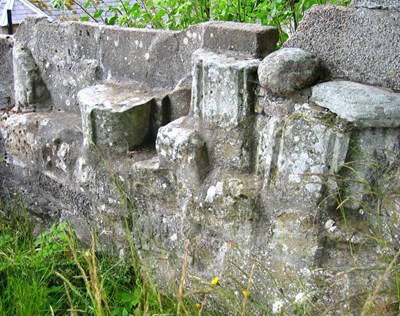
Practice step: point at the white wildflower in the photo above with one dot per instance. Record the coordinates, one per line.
(300, 298)
(277, 307)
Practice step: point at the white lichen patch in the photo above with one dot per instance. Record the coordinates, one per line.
(174, 237)
(330, 225)
(214, 191)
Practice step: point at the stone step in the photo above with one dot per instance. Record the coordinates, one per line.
(223, 88)
(117, 117)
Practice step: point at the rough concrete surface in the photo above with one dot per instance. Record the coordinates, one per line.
(226, 84)
(377, 4)
(6, 71)
(116, 119)
(353, 44)
(30, 90)
(244, 38)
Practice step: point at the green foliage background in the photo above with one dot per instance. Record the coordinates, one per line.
(180, 14)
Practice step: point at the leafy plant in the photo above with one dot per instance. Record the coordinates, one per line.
(180, 14)
(53, 274)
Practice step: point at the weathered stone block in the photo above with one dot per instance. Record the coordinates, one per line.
(65, 80)
(85, 38)
(296, 155)
(363, 105)
(268, 147)
(179, 146)
(48, 142)
(252, 39)
(126, 54)
(115, 118)
(287, 70)
(376, 4)
(148, 57)
(373, 155)
(223, 88)
(353, 44)
(6, 71)
(66, 59)
(231, 148)
(30, 90)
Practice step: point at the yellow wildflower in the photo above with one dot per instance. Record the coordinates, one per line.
(198, 305)
(215, 280)
(246, 293)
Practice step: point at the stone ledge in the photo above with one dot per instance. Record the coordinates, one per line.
(363, 105)
(253, 39)
(115, 117)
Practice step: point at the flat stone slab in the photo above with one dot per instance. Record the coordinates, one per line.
(355, 44)
(115, 117)
(258, 40)
(360, 104)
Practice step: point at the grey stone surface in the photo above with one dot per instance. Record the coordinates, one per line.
(115, 118)
(179, 102)
(360, 104)
(51, 141)
(294, 155)
(287, 70)
(223, 99)
(66, 56)
(376, 4)
(353, 44)
(181, 147)
(223, 88)
(244, 38)
(72, 55)
(6, 71)
(30, 90)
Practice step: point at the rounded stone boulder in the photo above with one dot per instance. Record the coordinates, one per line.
(287, 70)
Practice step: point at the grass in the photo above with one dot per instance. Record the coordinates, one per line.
(52, 274)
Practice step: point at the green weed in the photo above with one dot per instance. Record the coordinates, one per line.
(180, 14)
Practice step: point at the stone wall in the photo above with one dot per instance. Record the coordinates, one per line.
(6, 71)
(274, 165)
